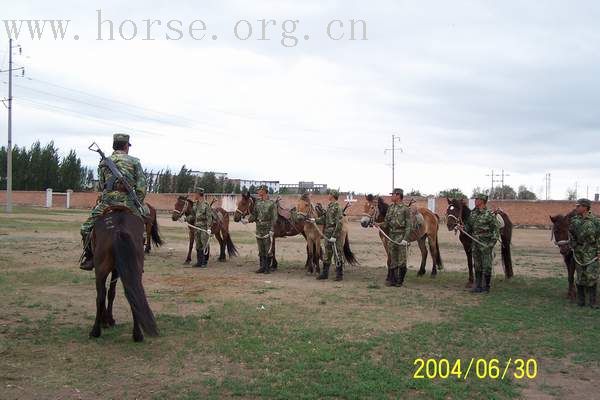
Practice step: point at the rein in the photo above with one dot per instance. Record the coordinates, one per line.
(457, 227)
(184, 209)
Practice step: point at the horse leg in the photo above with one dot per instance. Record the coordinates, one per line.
(148, 237)
(100, 305)
(423, 248)
(469, 254)
(188, 259)
(309, 257)
(138, 336)
(274, 264)
(317, 255)
(571, 295)
(434, 256)
(219, 235)
(107, 319)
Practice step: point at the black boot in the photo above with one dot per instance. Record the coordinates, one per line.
(87, 258)
(580, 296)
(267, 261)
(324, 272)
(593, 290)
(272, 265)
(402, 274)
(262, 262)
(391, 279)
(488, 280)
(339, 273)
(199, 255)
(204, 260)
(478, 277)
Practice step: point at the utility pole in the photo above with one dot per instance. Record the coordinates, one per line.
(393, 150)
(9, 148)
(548, 181)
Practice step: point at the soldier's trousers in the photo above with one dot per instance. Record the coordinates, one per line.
(264, 245)
(329, 251)
(588, 275)
(397, 253)
(99, 208)
(202, 238)
(482, 258)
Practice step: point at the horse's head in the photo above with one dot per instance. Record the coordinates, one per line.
(244, 207)
(370, 211)
(560, 232)
(454, 213)
(304, 208)
(181, 207)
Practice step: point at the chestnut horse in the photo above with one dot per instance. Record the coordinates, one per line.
(313, 234)
(220, 227)
(457, 213)
(152, 233)
(560, 237)
(376, 209)
(117, 242)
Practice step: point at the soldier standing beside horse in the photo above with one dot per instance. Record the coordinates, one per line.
(265, 216)
(114, 191)
(202, 218)
(334, 241)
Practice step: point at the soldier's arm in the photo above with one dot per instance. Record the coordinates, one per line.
(209, 216)
(408, 225)
(274, 215)
(101, 178)
(495, 227)
(339, 215)
(191, 219)
(469, 224)
(140, 184)
(252, 216)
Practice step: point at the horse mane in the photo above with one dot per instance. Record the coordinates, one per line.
(465, 210)
(370, 197)
(382, 206)
(305, 197)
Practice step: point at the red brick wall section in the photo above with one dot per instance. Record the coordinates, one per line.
(534, 213)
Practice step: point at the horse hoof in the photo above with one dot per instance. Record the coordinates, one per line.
(433, 274)
(222, 259)
(187, 262)
(138, 338)
(469, 285)
(147, 251)
(95, 332)
(420, 273)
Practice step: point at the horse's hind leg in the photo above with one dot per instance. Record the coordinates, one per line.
(423, 248)
(219, 237)
(188, 259)
(100, 305)
(138, 336)
(148, 237)
(107, 319)
(434, 255)
(571, 273)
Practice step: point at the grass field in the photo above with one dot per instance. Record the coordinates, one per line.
(229, 333)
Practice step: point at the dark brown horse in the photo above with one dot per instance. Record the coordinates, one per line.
(457, 213)
(152, 234)
(220, 228)
(118, 245)
(560, 237)
(376, 209)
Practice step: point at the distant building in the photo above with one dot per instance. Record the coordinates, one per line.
(200, 174)
(304, 187)
(248, 183)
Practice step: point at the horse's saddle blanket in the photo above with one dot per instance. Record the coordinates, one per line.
(284, 212)
(500, 220)
(217, 216)
(417, 220)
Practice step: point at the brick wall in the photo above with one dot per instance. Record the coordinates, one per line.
(535, 213)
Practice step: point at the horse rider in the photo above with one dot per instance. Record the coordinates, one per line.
(584, 234)
(202, 218)
(399, 226)
(332, 219)
(113, 191)
(265, 216)
(483, 225)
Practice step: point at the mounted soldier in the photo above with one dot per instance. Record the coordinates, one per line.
(122, 182)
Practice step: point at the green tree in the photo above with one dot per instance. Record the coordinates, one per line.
(414, 193)
(571, 194)
(185, 180)
(70, 173)
(453, 193)
(525, 194)
(209, 182)
(505, 192)
(166, 182)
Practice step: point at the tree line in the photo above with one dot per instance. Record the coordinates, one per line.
(41, 167)
(505, 192)
(165, 181)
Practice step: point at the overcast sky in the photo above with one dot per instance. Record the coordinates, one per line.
(468, 86)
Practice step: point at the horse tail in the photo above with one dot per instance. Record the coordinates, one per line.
(231, 249)
(438, 255)
(506, 238)
(154, 234)
(124, 254)
(348, 255)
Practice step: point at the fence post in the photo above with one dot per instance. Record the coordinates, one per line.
(69, 193)
(49, 198)
(431, 204)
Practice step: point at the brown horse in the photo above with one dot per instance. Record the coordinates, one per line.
(560, 237)
(117, 242)
(220, 228)
(152, 234)
(376, 209)
(457, 213)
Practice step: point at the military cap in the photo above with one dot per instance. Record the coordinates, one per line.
(398, 191)
(121, 138)
(263, 187)
(199, 190)
(584, 202)
(334, 193)
(481, 196)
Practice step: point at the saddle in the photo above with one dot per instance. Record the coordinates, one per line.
(416, 218)
(115, 208)
(285, 213)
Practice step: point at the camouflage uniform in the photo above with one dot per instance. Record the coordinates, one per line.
(332, 219)
(398, 226)
(202, 217)
(483, 226)
(265, 216)
(585, 241)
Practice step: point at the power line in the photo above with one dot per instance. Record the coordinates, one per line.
(393, 151)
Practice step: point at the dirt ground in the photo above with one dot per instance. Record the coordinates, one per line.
(31, 241)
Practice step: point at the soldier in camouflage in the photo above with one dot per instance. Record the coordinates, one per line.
(484, 227)
(332, 219)
(113, 192)
(202, 218)
(584, 233)
(265, 216)
(398, 225)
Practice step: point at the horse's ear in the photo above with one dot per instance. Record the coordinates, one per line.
(465, 202)
(552, 219)
(369, 197)
(448, 199)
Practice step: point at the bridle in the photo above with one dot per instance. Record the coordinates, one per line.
(247, 211)
(184, 209)
(373, 215)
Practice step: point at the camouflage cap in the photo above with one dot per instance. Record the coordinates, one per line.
(584, 202)
(481, 196)
(334, 193)
(398, 191)
(199, 190)
(121, 138)
(263, 187)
